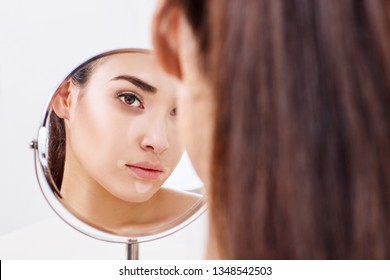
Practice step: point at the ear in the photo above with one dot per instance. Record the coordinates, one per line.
(165, 37)
(61, 100)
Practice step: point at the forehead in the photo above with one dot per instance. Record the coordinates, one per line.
(140, 65)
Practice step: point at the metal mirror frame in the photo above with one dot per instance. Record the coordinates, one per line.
(50, 191)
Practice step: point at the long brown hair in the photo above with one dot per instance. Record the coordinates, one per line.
(302, 90)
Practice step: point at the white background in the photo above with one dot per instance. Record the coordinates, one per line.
(279, 270)
(41, 41)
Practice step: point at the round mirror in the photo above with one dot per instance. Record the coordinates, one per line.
(107, 144)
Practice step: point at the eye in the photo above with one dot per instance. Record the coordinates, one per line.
(131, 99)
(174, 112)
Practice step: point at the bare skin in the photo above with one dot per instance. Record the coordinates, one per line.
(100, 208)
(177, 52)
(111, 126)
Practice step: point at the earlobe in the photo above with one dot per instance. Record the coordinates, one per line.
(165, 37)
(61, 102)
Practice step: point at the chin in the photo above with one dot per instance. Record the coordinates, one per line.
(138, 192)
(138, 197)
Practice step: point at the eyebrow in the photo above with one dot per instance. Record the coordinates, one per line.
(137, 82)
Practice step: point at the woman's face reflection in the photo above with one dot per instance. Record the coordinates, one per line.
(120, 127)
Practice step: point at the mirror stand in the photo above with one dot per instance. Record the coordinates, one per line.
(133, 249)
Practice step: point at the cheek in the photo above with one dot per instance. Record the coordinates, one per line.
(175, 151)
(184, 121)
(94, 137)
(195, 129)
(172, 155)
(132, 127)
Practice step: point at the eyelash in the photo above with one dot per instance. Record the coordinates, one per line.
(123, 95)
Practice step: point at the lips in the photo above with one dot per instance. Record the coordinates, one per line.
(146, 170)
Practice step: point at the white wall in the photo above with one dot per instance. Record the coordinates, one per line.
(41, 41)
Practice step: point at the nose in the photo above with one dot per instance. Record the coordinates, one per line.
(155, 138)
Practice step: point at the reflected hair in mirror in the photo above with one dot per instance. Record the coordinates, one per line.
(57, 151)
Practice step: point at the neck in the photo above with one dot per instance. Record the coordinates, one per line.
(212, 248)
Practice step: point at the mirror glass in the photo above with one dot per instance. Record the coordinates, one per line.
(106, 145)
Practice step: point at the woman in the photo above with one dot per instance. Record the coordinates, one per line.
(113, 143)
(285, 113)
